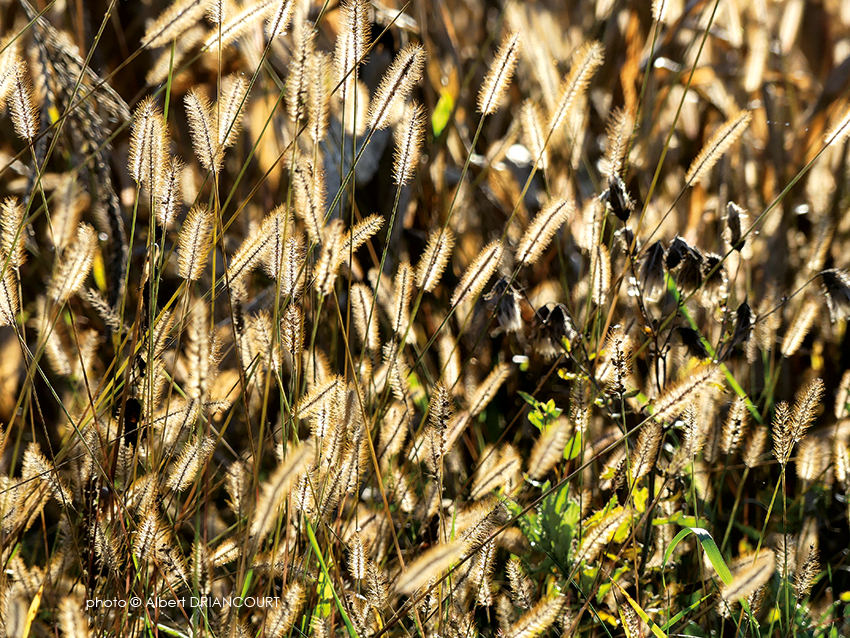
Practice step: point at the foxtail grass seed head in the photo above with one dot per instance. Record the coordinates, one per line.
(434, 260)
(842, 396)
(204, 128)
(276, 488)
(361, 233)
(488, 388)
(9, 59)
(783, 439)
(499, 74)
(805, 409)
(238, 22)
(174, 21)
(478, 273)
(430, 564)
(12, 232)
(148, 142)
(351, 46)
(751, 577)
(318, 96)
(190, 462)
(75, 264)
(659, 10)
(9, 303)
(735, 426)
(618, 136)
(195, 242)
(230, 108)
(676, 395)
(387, 106)
(277, 24)
(409, 136)
(717, 145)
(800, 328)
(755, 446)
(541, 231)
(586, 60)
(308, 193)
(22, 103)
(297, 87)
(533, 135)
(169, 197)
(549, 449)
(601, 274)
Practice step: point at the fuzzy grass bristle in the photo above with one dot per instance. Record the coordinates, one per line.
(194, 242)
(173, 22)
(409, 136)
(404, 73)
(541, 231)
(729, 133)
(204, 128)
(22, 102)
(499, 74)
(478, 273)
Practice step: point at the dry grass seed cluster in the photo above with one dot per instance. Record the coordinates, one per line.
(415, 330)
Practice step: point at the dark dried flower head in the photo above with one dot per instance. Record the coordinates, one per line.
(617, 199)
(651, 272)
(626, 239)
(736, 219)
(676, 253)
(715, 280)
(744, 320)
(836, 285)
(551, 326)
(689, 261)
(508, 296)
(690, 338)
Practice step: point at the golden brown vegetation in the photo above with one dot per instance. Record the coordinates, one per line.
(443, 319)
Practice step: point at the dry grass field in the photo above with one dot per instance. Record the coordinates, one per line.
(427, 318)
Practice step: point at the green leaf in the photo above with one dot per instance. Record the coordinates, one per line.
(530, 400)
(656, 630)
(710, 548)
(315, 545)
(442, 112)
(573, 447)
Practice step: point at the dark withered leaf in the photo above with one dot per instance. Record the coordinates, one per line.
(551, 326)
(734, 214)
(836, 285)
(617, 198)
(507, 296)
(743, 326)
(715, 277)
(676, 253)
(651, 273)
(691, 340)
